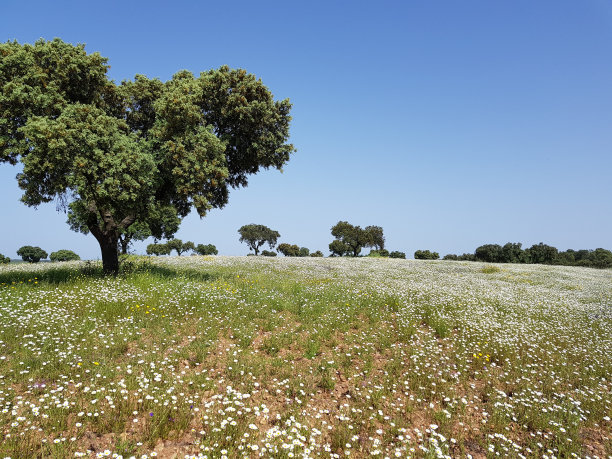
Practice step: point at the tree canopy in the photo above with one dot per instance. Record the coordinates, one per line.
(118, 154)
(375, 237)
(257, 235)
(158, 249)
(206, 249)
(31, 254)
(179, 246)
(63, 255)
(426, 255)
(353, 237)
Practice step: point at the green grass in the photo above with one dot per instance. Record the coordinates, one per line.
(304, 357)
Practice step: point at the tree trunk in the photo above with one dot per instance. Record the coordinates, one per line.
(110, 257)
(125, 243)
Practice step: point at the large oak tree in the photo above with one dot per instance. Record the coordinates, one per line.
(120, 154)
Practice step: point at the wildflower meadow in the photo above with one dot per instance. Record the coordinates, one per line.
(305, 357)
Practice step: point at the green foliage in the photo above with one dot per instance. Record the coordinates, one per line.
(426, 255)
(162, 222)
(267, 253)
(542, 253)
(208, 249)
(31, 254)
(257, 235)
(318, 253)
(490, 253)
(396, 254)
(338, 248)
(513, 253)
(490, 269)
(179, 246)
(142, 152)
(4, 259)
(158, 249)
(598, 258)
(303, 252)
(375, 237)
(382, 253)
(353, 239)
(63, 255)
(289, 250)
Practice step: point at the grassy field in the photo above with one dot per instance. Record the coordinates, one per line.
(249, 357)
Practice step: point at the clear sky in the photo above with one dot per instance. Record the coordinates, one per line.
(450, 124)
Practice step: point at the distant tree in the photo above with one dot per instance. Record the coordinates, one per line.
(451, 256)
(396, 254)
(257, 235)
(339, 248)
(289, 250)
(63, 255)
(426, 255)
(601, 258)
(31, 254)
(542, 254)
(513, 253)
(207, 249)
(158, 249)
(4, 259)
(598, 258)
(318, 253)
(581, 255)
(303, 252)
(179, 246)
(490, 253)
(467, 257)
(566, 258)
(352, 236)
(267, 253)
(375, 237)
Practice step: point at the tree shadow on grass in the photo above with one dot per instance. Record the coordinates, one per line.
(62, 274)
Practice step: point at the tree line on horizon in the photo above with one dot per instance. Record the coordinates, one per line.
(513, 252)
(349, 241)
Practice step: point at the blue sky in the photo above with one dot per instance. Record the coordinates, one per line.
(450, 124)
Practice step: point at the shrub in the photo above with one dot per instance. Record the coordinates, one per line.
(63, 255)
(268, 253)
(4, 259)
(31, 254)
(426, 255)
(467, 257)
(451, 256)
(318, 253)
(490, 269)
(208, 249)
(396, 254)
(304, 252)
(379, 253)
